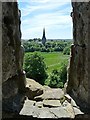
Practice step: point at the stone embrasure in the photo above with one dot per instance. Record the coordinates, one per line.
(78, 73)
(13, 77)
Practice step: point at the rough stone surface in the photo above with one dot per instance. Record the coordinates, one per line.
(70, 100)
(33, 88)
(39, 104)
(9, 88)
(11, 40)
(77, 111)
(61, 112)
(51, 94)
(78, 77)
(51, 108)
(13, 77)
(69, 109)
(51, 103)
(31, 109)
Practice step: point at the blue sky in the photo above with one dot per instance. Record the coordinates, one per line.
(54, 15)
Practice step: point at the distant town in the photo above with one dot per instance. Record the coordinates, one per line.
(48, 39)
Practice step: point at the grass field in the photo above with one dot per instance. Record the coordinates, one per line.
(53, 60)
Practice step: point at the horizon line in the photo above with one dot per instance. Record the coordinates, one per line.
(47, 38)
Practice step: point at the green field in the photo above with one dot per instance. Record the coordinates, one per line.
(53, 60)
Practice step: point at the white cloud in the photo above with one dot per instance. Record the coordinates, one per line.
(48, 19)
(35, 26)
(51, 14)
(51, 32)
(48, 5)
(32, 32)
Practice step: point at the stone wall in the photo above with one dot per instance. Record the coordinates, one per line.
(78, 77)
(13, 77)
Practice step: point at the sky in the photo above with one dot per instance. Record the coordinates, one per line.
(53, 15)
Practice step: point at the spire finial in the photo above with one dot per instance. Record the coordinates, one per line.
(44, 32)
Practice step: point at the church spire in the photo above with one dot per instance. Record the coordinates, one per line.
(43, 32)
(43, 37)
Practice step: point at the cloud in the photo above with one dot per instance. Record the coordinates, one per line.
(54, 15)
(53, 32)
(48, 19)
(41, 5)
(52, 22)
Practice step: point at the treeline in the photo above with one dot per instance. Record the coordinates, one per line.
(50, 46)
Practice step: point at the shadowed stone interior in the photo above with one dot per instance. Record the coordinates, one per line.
(78, 76)
(13, 76)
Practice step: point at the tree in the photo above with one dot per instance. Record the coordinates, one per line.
(35, 67)
(58, 77)
(66, 50)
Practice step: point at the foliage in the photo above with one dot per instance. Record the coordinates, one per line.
(58, 77)
(35, 67)
(50, 46)
(53, 60)
(56, 68)
(63, 72)
(66, 50)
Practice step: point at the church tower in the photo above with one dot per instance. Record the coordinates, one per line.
(43, 37)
